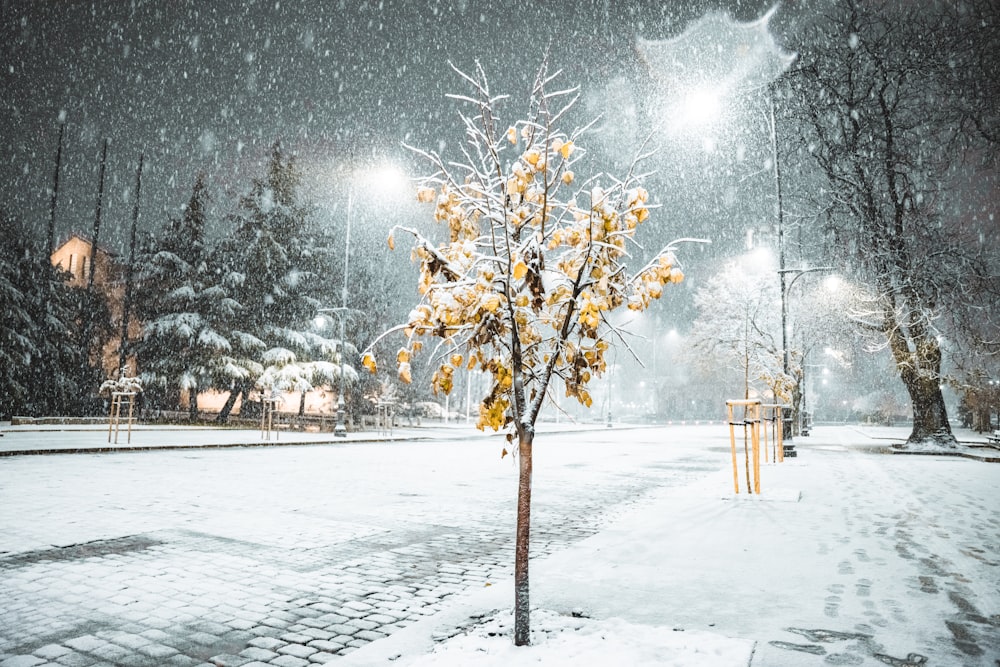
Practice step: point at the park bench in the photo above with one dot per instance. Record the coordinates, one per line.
(993, 438)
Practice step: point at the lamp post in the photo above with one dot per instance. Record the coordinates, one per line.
(340, 428)
(387, 179)
(786, 286)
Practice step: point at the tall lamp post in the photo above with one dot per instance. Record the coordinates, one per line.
(786, 286)
(340, 428)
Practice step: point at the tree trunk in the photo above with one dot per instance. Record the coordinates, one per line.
(930, 417)
(193, 404)
(223, 417)
(919, 363)
(522, 605)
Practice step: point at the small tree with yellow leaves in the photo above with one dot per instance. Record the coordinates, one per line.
(533, 265)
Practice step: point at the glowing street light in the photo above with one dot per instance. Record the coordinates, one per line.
(384, 180)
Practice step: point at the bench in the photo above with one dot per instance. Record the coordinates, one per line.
(993, 438)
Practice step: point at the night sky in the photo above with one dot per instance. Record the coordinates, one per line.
(211, 85)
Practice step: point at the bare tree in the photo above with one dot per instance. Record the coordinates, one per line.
(738, 326)
(865, 98)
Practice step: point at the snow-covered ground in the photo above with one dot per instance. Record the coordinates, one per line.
(847, 557)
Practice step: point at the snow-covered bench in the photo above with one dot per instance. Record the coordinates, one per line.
(993, 438)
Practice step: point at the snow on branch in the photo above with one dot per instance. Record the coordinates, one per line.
(534, 262)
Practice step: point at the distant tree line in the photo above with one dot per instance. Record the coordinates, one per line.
(234, 314)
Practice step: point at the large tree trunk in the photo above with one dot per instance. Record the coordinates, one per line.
(522, 604)
(193, 404)
(918, 358)
(930, 417)
(223, 417)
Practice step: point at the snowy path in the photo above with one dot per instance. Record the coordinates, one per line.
(884, 557)
(268, 556)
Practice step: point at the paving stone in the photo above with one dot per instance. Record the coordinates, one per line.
(323, 658)
(326, 645)
(362, 624)
(256, 653)
(86, 643)
(76, 660)
(22, 661)
(381, 618)
(157, 650)
(296, 638)
(328, 619)
(323, 607)
(154, 635)
(126, 639)
(298, 650)
(268, 643)
(229, 660)
(342, 629)
(111, 652)
(370, 635)
(51, 651)
(240, 624)
(289, 661)
(211, 628)
(264, 631)
(202, 638)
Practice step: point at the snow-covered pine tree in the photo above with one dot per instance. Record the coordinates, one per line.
(533, 267)
(185, 313)
(41, 363)
(266, 262)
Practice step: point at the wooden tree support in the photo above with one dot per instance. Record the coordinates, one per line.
(384, 415)
(751, 441)
(267, 406)
(773, 416)
(119, 399)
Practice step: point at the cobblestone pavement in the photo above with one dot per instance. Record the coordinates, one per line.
(285, 556)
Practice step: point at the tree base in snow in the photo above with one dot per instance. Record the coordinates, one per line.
(940, 441)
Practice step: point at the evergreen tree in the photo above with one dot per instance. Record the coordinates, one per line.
(269, 261)
(184, 345)
(41, 364)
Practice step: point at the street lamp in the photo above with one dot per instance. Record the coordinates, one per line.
(786, 286)
(385, 179)
(340, 428)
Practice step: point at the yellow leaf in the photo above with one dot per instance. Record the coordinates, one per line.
(404, 373)
(391, 242)
(512, 135)
(368, 361)
(566, 150)
(520, 270)
(567, 177)
(425, 195)
(403, 356)
(504, 453)
(456, 360)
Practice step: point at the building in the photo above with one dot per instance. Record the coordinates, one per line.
(75, 255)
